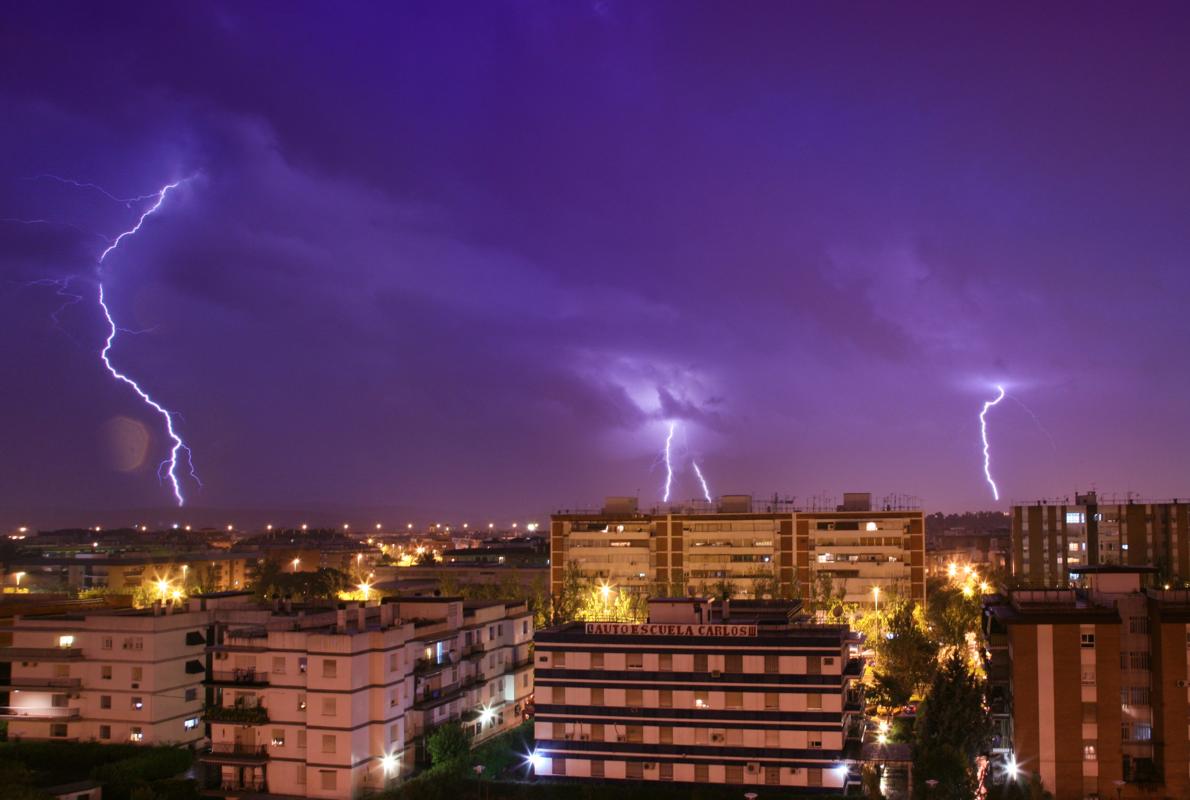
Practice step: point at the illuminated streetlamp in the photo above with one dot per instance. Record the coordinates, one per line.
(876, 597)
(162, 587)
(295, 563)
(18, 576)
(365, 587)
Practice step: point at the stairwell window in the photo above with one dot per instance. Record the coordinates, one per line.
(330, 669)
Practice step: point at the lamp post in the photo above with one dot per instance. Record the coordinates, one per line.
(930, 784)
(18, 576)
(295, 563)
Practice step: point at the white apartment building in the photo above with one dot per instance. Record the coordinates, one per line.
(109, 676)
(743, 692)
(333, 703)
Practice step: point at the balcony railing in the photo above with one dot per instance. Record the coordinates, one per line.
(40, 653)
(241, 714)
(40, 683)
(25, 712)
(473, 650)
(244, 786)
(236, 751)
(425, 666)
(241, 677)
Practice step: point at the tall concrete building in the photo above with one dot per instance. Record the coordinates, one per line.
(1089, 685)
(1052, 540)
(689, 549)
(744, 693)
(108, 676)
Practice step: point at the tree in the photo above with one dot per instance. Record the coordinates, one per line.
(952, 728)
(568, 600)
(425, 559)
(906, 655)
(953, 614)
(946, 765)
(448, 743)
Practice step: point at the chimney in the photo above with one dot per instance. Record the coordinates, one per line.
(341, 620)
(361, 617)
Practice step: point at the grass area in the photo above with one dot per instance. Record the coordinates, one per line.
(128, 772)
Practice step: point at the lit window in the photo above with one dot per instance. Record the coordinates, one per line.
(1089, 752)
(66, 640)
(871, 526)
(137, 735)
(190, 724)
(138, 703)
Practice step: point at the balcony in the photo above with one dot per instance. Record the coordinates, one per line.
(38, 713)
(40, 653)
(40, 683)
(427, 666)
(473, 650)
(238, 714)
(236, 753)
(239, 677)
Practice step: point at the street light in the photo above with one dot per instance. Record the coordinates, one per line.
(295, 562)
(18, 576)
(365, 587)
(388, 762)
(876, 597)
(162, 587)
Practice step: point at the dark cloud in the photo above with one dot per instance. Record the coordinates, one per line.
(473, 258)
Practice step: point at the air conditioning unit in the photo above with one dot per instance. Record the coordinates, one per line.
(753, 767)
(1181, 684)
(716, 673)
(650, 765)
(717, 738)
(621, 738)
(585, 737)
(136, 686)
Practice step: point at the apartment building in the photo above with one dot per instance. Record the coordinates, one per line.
(106, 675)
(742, 692)
(214, 571)
(334, 702)
(1052, 540)
(733, 542)
(1089, 685)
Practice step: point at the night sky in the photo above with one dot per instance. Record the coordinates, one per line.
(470, 259)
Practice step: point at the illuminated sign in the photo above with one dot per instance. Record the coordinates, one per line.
(668, 629)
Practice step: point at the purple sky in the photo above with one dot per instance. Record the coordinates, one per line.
(470, 259)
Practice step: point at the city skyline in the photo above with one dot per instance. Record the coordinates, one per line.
(481, 261)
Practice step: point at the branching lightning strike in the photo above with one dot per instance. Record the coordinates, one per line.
(169, 467)
(127, 201)
(983, 430)
(669, 470)
(706, 491)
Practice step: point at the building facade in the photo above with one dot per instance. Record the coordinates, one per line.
(335, 702)
(734, 543)
(1050, 541)
(1089, 685)
(742, 693)
(108, 676)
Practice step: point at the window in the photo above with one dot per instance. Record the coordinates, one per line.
(665, 698)
(734, 699)
(772, 776)
(1142, 732)
(772, 665)
(735, 773)
(700, 662)
(665, 662)
(133, 643)
(772, 701)
(138, 673)
(328, 706)
(559, 660)
(278, 737)
(301, 702)
(1139, 696)
(814, 742)
(666, 771)
(597, 696)
(138, 703)
(301, 774)
(1088, 675)
(636, 733)
(1087, 640)
(394, 662)
(330, 669)
(58, 729)
(392, 698)
(66, 640)
(190, 724)
(596, 732)
(1138, 625)
(702, 699)
(328, 743)
(136, 735)
(597, 661)
(665, 734)
(1089, 712)
(702, 773)
(105, 731)
(105, 701)
(596, 768)
(813, 700)
(327, 778)
(107, 643)
(633, 770)
(301, 663)
(1089, 752)
(279, 665)
(733, 664)
(301, 742)
(525, 628)
(633, 698)
(636, 661)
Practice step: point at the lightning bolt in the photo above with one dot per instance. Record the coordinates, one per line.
(1036, 420)
(669, 470)
(983, 430)
(169, 467)
(706, 492)
(127, 201)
